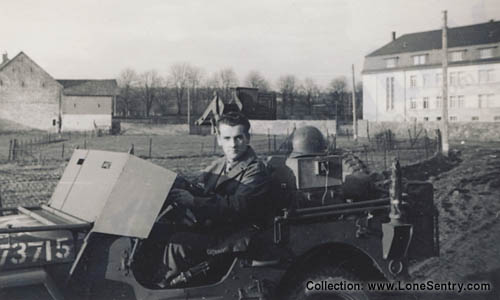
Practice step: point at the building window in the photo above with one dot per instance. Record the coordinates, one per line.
(482, 101)
(453, 118)
(453, 78)
(413, 81)
(460, 101)
(74, 105)
(413, 103)
(425, 103)
(453, 100)
(391, 62)
(496, 118)
(22, 83)
(438, 118)
(486, 76)
(419, 59)
(486, 53)
(462, 79)
(426, 118)
(439, 79)
(1, 82)
(487, 100)
(389, 93)
(43, 84)
(98, 105)
(457, 55)
(438, 102)
(475, 118)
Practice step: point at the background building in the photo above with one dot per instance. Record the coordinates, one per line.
(32, 97)
(402, 80)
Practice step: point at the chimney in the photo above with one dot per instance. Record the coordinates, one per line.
(394, 35)
(5, 58)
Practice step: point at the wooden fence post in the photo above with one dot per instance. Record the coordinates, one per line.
(439, 142)
(268, 141)
(275, 143)
(150, 146)
(201, 150)
(10, 150)
(62, 151)
(14, 150)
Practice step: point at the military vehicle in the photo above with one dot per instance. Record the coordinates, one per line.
(102, 233)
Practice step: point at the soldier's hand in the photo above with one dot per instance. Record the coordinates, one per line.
(182, 197)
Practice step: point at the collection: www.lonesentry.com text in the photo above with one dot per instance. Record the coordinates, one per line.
(398, 286)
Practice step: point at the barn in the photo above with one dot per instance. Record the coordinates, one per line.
(32, 97)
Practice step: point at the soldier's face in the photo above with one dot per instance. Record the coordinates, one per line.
(233, 140)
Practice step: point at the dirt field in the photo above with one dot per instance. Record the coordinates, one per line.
(468, 200)
(467, 195)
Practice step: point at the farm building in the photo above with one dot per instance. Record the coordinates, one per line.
(402, 80)
(32, 97)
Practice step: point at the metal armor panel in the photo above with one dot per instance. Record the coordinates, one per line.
(122, 194)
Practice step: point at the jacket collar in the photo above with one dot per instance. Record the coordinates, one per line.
(248, 157)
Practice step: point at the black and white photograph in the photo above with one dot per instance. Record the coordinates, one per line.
(249, 150)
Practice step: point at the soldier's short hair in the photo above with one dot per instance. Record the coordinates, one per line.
(234, 118)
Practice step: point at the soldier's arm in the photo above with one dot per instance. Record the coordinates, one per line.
(244, 202)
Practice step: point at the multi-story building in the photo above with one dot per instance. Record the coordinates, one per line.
(402, 80)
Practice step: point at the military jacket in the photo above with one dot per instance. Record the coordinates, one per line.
(235, 195)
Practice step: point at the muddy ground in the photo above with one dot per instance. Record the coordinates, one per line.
(468, 200)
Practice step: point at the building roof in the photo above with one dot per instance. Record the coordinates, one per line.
(89, 87)
(4, 64)
(477, 34)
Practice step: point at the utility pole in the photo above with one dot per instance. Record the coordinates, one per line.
(444, 120)
(354, 119)
(189, 110)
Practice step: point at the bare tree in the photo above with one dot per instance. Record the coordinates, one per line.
(288, 85)
(127, 80)
(311, 92)
(255, 80)
(184, 76)
(223, 81)
(338, 85)
(195, 78)
(338, 88)
(178, 79)
(150, 83)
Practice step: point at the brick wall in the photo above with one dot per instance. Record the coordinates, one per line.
(28, 95)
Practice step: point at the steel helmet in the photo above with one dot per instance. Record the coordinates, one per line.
(308, 140)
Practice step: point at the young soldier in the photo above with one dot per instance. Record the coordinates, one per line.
(234, 187)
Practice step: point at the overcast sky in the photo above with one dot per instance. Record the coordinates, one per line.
(308, 38)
